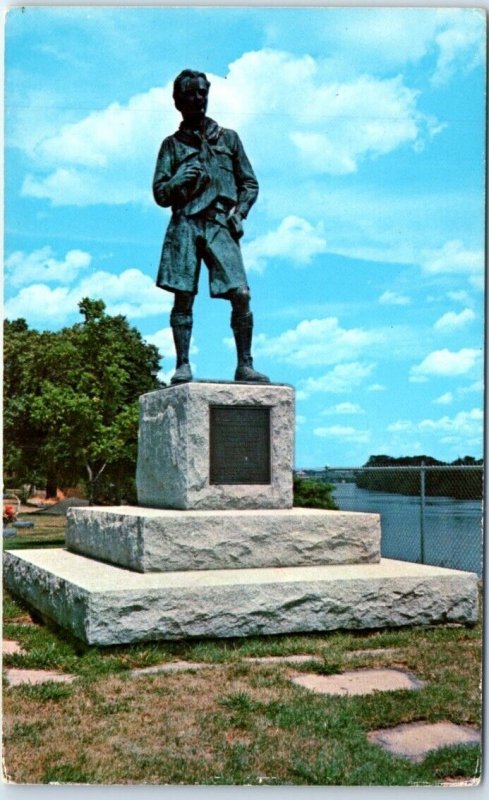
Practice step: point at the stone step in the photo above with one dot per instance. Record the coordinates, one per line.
(159, 540)
(106, 605)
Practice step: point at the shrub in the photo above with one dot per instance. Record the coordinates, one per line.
(309, 493)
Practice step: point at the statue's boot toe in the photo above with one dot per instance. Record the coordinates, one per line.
(182, 374)
(247, 373)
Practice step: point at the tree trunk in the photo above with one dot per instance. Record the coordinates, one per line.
(51, 486)
(92, 480)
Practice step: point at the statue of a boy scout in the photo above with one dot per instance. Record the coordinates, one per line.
(203, 173)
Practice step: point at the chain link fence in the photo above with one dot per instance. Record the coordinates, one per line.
(429, 514)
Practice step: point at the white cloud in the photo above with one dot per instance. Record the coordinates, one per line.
(476, 386)
(376, 387)
(380, 38)
(332, 123)
(446, 363)
(460, 296)
(294, 240)
(345, 432)
(400, 426)
(132, 293)
(37, 303)
(106, 157)
(452, 321)
(464, 424)
(82, 187)
(444, 399)
(347, 130)
(341, 379)
(344, 408)
(460, 45)
(389, 226)
(317, 341)
(454, 258)
(41, 265)
(394, 299)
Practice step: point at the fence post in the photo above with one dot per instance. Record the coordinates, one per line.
(422, 491)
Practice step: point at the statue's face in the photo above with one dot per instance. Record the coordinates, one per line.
(193, 97)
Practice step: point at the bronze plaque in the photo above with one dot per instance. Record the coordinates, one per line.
(239, 444)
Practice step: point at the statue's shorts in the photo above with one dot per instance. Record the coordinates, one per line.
(191, 240)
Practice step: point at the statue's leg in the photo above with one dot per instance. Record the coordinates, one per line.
(181, 324)
(242, 326)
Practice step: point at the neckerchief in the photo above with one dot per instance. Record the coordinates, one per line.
(210, 135)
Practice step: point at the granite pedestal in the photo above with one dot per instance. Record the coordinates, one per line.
(216, 446)
(214, 548)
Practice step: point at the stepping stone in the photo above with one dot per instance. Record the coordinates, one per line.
(18, 677)
(10, 648)
(414, 740)
(359, 682)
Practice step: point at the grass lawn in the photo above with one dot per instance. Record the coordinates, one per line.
(48, 531)
(234, 722)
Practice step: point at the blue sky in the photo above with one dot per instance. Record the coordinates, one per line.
(365, 249)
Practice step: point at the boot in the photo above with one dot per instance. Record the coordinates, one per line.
(182, 330)
(242, 326)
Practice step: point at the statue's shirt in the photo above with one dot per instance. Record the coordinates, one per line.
(227, 172)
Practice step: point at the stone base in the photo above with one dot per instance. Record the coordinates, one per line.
(178, 443)
(158, 540)
(106, 605)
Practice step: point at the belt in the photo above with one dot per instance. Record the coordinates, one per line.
(215, 210)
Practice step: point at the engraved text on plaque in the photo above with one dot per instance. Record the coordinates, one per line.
(239, 445)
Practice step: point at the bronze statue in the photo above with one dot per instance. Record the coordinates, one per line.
(203, 173)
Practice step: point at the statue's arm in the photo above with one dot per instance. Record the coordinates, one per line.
(246, 182)
(165, 189)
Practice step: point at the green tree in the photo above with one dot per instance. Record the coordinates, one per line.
(461, 484)
(310, 493)
(71, 401)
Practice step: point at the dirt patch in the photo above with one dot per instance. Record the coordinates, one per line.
(61, 508)
(388, 652)
(172, 666)
(183, 666)
(151, 730)
(281, 659)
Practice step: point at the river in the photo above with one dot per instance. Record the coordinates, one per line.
(452, 528)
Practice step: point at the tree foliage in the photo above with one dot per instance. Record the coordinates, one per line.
(71, 401)
(460, 484)
(309, 493)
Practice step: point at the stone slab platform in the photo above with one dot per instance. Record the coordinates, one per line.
(106, 605)
(159, 540)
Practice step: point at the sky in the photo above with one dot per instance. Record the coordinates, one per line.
(365, 248)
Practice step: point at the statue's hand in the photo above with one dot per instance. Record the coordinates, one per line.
(235, 224)
(187, 174)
